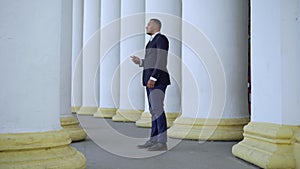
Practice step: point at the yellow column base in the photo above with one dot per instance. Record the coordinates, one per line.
(105, 112)
(297, 151)
(87, 110)
(39, 150)
(75, 109)
(208, 129)
(71, 126)
(146, 121)
(268, 145)
(127, 115)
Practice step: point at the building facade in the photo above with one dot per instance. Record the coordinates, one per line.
(63, 54)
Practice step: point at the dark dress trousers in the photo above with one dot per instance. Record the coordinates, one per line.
(155, 65)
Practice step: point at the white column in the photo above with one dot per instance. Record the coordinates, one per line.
(77, 45)
(214, 70)
(132, 43)
(169, 13)
(275, 66)
(109, 57)
(91, 57)
(297, 144)
(30, 132)
(275, 118)
(68, 121)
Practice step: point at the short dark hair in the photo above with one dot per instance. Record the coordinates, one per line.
(157, 22)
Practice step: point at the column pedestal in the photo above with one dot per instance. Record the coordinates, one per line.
(268, 145)
(39, 150)
(145, 120)
(71, 126)
(105, 112)
(127, 115)
(297, 151)
(75, 109)
(208, 129)
(87, 110)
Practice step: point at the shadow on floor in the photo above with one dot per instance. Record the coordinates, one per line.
(183, 154)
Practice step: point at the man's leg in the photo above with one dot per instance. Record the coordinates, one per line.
(154, 130)
(156, 98)
(162, 128)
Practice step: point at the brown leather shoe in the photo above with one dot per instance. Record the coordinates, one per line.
(158, 147)
(147, 144)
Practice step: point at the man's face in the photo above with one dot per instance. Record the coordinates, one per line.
(151, 28)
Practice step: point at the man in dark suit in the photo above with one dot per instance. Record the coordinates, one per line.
(156, 79)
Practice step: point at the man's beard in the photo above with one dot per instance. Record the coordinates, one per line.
(148, 33)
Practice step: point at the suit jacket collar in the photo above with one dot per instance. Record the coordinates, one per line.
(153, 40)
(154, 35)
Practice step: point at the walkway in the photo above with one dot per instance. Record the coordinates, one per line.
(112, 145)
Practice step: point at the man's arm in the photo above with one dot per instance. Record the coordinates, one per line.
(137, 61)
(141, 64)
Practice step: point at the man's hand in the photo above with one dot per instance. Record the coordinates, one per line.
(150, 84)
(135, 59)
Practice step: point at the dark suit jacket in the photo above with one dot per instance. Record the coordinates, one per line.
(155, 62)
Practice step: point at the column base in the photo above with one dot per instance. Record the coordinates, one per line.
(105, 112)
(297, 151)
(268, 145)
(71, 126)
(208, 129)
(127, 115)
(75, 109)
(87, 110)
(146, 121)
(39, 150)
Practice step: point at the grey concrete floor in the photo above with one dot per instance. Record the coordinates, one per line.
(104, 150)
